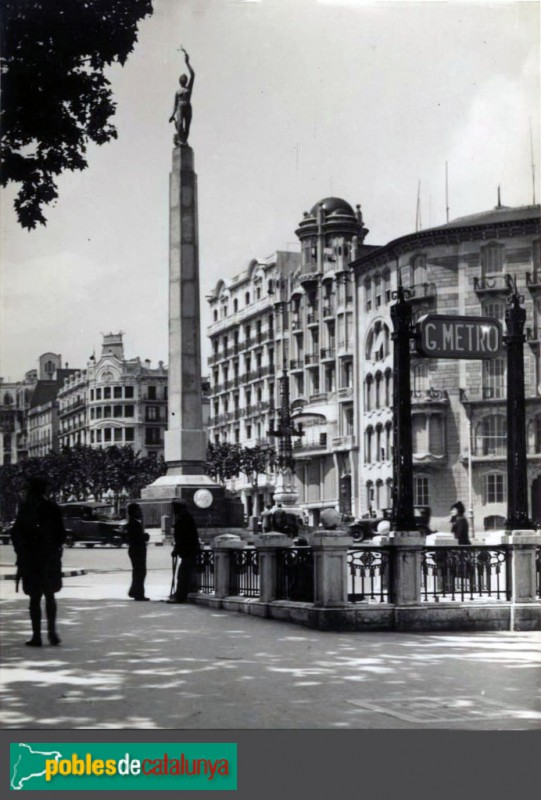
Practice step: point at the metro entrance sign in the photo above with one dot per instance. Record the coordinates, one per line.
(442, 336)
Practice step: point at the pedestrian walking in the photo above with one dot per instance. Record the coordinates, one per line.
(38, 535)
(137, 551)
(186, 548)
(459, 524)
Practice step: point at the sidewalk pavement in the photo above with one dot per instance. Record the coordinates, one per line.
(124, 664)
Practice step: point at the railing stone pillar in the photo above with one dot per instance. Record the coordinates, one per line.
(406, 555)
(523, 570)
(267, 545)
(330, 569)
(222, 546)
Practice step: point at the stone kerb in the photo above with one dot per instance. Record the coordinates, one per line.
(330, 568)
(407, 564)
(267, 546)
(523, 580)
(223, 546)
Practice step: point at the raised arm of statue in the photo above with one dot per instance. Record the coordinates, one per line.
(190, 70)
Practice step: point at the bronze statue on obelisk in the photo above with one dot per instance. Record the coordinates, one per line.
(185, 442)
(182, 110)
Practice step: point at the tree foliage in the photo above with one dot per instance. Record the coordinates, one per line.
(254, 461)
(223, 461)
(80, 472)
(56, 98)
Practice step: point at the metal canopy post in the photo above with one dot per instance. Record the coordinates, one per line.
(402, 515)
(517, 478)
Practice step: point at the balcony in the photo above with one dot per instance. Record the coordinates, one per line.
(345, 347)
(296, 365)
(533, 282)
(343, 442)
(429, 397)
(296, 324)
(327, 354)
(311, 359)
(490, 284)
(422, 291)
(312, 319)
(309, 278)
(328, 310)
(345, 393)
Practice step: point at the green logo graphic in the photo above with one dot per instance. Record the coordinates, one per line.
(95, 766)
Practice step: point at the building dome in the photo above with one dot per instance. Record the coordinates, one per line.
(333, 205)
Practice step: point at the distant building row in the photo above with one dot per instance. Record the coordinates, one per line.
(324, 315)
(114, 401)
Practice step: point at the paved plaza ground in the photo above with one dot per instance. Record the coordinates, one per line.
(124, 664)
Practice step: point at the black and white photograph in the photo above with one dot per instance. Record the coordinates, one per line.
(270, 373)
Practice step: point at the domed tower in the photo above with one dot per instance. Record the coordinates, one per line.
(329, 235)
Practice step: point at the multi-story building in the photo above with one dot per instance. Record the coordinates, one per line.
(115, 401)
(294, 311)
(326, 317)
(29, 410)
(458, 406)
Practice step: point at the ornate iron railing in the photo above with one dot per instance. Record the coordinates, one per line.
(466, 573)
(205, 571)
(244, 573)
(295, 574)
(369, 574)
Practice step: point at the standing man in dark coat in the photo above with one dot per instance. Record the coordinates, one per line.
(137, 551)
(38, 535)
(459, 523)
(186, 548)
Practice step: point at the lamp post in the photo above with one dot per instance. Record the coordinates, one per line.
(402, 515)
(517, 474)
(285, 492)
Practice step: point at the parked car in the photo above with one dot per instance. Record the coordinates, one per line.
(367, 527)
(92, 523)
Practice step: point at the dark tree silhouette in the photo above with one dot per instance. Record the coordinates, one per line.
(56, 98)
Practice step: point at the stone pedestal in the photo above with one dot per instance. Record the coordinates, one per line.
(222, 546)
(407, 562)
(330, 569)
(267, 545)
(524, 575)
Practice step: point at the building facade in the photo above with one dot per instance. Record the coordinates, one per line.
(458, 406)
(115, 401)
(324, 315)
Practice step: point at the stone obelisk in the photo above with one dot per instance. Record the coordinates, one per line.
(185, 439)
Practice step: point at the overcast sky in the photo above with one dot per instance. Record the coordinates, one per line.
(294, 100)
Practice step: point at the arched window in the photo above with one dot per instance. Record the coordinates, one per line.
(369, 495)
(380, 451)
(387, 285)
(379, 494)
(388, 440)
(388, 387)
(215, 315)
(8, 399)
(378, 382)
(369, 390)
(377, 290)
(368, 439)
(247, 298)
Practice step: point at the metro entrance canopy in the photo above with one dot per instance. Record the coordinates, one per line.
(442, 336)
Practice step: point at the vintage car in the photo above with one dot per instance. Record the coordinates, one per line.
(367, 527)
(92, 523)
